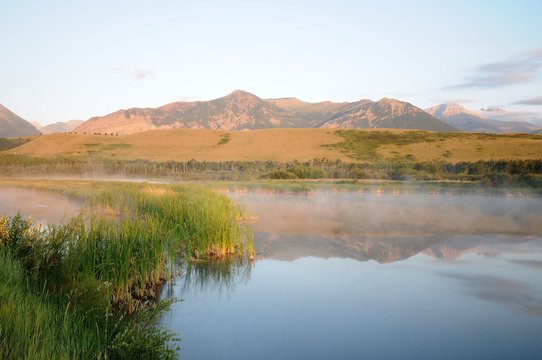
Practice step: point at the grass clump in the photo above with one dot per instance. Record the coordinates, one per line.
(36, 326)
(58, 302)
(224, 139)
(87, 288)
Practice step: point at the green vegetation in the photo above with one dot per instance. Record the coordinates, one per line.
(363, 145)
(94, 148)
(86, 289)
(423, 146)
(486, 172)
(224, 139)
(6, 144)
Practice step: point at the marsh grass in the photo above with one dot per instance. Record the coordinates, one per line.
(34, 325)
(98, 276)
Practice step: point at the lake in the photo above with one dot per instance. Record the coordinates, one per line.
(44, 207)
(387, 275)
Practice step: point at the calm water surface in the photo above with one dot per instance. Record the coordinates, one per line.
(44, 207)
(349, 275)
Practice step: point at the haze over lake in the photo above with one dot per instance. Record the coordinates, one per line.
(271, 180)
(378, 275)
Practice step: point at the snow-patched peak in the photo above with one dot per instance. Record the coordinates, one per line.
(446, 110)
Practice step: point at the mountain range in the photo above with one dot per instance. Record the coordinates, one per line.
(241, 110)
(470, 121)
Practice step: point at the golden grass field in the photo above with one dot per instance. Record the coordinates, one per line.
(285, 145)
(471, 147)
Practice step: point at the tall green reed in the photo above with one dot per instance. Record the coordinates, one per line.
(103, 269)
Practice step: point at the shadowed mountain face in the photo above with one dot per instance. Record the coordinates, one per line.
(241, 110)
(386, 113)
(12, 125)
(463, 119)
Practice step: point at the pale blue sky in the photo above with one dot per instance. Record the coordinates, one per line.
(63, 60)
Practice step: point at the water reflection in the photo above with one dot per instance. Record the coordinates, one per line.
(537, 264)
(44, 207)
(389, 276)
(385, 227)
(515, 294)
(221, 274)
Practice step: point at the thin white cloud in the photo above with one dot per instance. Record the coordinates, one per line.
(517, 70)
(134, 73)
(188, 98)
(494, 109)
(531, 101)
(453, 100)
(120, 67)
(140, 74)
(529, 116)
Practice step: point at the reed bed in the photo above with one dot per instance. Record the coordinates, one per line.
(97, 275)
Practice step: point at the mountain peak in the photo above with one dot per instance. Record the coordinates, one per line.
(241, 94)
(385, 113)
(389, 101)
(386, 100)
(466, 120)
(447, 110)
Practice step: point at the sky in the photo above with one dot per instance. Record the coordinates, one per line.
(64, 60)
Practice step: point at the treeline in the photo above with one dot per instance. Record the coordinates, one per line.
(488, 172)
(9, 143)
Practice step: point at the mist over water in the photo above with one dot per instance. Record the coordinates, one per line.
(350, 274)
(350, 224)
(44, 207)
(354, 275)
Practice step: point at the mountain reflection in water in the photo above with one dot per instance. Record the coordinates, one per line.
(385, 227)
(354, 275)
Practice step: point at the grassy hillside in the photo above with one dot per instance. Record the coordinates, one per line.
(187, 144)
(282, 145)
(421, 146)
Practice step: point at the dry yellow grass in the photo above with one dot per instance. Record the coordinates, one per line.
(186, 144)
(285, 145)
(470, 147)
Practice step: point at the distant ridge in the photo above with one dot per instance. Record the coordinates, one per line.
(12, 125)
(242, 110)
(385, 113)
(60, 127)
(466, 120)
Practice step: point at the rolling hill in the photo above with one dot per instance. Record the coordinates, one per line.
(369, 145)
(241, 110)
(12, 125)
